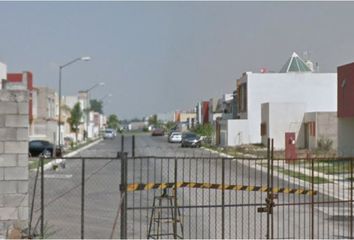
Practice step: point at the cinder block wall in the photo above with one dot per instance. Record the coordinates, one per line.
(14, 122)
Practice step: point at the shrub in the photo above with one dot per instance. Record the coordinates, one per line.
(324, 144)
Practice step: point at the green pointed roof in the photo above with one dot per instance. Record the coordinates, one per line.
(295, 64)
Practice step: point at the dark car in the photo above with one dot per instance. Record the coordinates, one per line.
(40, 147)
(158, 132)
(191, 140)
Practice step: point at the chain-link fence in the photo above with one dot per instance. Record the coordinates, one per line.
(80, 201)
(192, 196)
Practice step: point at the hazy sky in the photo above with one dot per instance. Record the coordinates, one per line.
(163, 56)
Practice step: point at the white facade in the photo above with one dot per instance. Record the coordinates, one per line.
(3, 73)
(70, 101)
(234, 132)
(318, 91)
(279, 118)
(324, 126)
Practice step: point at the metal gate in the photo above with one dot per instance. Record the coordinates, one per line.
(196, 197)
(216, 197)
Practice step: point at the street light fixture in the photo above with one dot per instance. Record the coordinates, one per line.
(60, 73)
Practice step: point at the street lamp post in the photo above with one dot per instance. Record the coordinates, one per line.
(87, 110)
(60, 77)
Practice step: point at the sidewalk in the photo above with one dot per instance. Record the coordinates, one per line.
(336, 189)
(61, 161)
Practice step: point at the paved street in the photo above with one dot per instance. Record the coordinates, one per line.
(102, 197)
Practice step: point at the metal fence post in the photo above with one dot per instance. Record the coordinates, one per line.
(122, 144)
(33, 199)
(268, 186)
(133, 146)
(272, 192)
(175, 218)
(312, 200)
(123, 192)
(223, 199)
(83, 199)
(351, 198)
(42, 196)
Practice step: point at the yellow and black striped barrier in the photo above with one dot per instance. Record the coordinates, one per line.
(150, 186)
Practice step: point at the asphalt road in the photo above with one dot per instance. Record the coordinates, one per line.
(200, 209)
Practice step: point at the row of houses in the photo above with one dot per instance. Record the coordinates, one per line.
(297, 105)
(44, 109)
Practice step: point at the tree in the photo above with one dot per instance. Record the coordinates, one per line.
(113, 122)
(153, 120)
(96, 106)
(170, 125)
(204, 130)
(75, 119)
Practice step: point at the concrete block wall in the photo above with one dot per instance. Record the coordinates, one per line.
(14, 173)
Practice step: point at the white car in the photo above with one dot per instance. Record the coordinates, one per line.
(108, 134)
(175, 137)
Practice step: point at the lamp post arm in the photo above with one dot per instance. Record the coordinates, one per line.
(69, 63)
(92, 87)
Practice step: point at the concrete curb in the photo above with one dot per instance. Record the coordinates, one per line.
(60, 161)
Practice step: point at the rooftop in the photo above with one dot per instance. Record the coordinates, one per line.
(295, 64)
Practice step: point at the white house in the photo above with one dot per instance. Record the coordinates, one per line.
(295, 83)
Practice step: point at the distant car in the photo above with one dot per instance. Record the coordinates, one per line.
(158, 132)
(108, 134)
(113, 131)
(40, 148)
(175, 137)
(191, 140)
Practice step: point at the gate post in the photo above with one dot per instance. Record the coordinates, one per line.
(223, 199)
(133, 146)
(83, 199)
(272, 187)
(123, 193)
(351, 198)
(175, 203)
(268, 186)
(122, 144)
(42, 196)
(270, 193)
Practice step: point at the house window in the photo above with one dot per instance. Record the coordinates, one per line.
(263, 129)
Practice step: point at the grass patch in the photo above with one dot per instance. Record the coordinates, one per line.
(230, 151)
(301, 176)
(333, 169)
(33, 164)
(76, 147)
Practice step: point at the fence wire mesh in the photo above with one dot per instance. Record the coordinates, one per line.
(84, 199)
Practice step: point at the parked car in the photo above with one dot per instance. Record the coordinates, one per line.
(158, 132)
(108, 134)
(191, 140)
(175, 137)
(40, 148)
